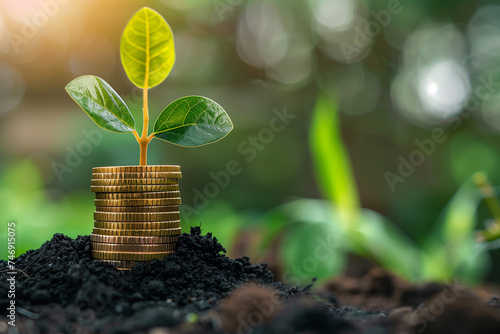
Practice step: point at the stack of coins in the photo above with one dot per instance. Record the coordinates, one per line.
(137, 213)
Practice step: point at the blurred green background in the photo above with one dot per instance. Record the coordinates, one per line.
(392, 72)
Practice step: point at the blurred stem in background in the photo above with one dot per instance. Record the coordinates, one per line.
(331, 163)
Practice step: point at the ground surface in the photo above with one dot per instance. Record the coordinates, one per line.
(61, 289)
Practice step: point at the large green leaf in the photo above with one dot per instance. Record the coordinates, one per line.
(96, 97)
(331, 162)
(147, 48)
(192, 121)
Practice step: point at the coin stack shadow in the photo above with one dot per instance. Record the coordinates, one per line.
(137, 213)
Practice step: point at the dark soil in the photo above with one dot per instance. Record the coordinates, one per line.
(61, 289)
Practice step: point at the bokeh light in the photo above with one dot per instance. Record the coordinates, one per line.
(443, 88)
(333, 15)
(433, 83)
(263, 39)
(484, 37)
(432, 42)
(27, 11)
(297, 66)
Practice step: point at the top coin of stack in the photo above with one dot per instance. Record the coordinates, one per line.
(137, 213)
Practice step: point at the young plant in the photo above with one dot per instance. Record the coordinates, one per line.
(148, 55)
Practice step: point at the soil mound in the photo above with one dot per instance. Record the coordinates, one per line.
(60, 288)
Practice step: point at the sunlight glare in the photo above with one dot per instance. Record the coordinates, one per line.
(444, 87)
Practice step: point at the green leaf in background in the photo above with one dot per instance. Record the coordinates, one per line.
(96, 97)
(331, 163)
(147, 48)
(451, 249)
(301, 211)
(459, 217)
(312, 251)
(388, 245)
(313, 244)
(192, 121)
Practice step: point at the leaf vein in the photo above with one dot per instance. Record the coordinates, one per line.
(134, 44)
(128, 54)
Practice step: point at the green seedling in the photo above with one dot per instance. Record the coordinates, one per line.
(148, 54)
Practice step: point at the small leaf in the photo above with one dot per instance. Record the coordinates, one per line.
(192, 121)
(96, 97)
(147, 48)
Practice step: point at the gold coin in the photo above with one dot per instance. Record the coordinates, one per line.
(138, 225)
(133, 182)
(137, 169)
(129, 256)
(149, 248)
(133, 240)
(136, 216)
(138, 202)
(141, 195)
(131, 189)
(123, 265)
(165, 208)
(139, 233)
(124, 176)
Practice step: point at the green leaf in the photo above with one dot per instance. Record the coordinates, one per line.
(301, 211)
(96, 97)
(451, 250)
(192, 121)
(147, 48)
(312, 224)
(331, 162)
(388, 245)
(459, 217)
(311, 250)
